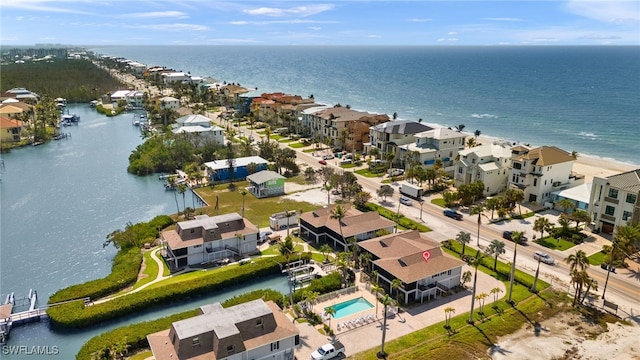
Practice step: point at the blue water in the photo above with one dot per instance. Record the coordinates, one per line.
(350, 307)
(577, 98)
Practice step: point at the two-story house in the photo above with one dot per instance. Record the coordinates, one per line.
(218, 170)
(317, 225)
(168, 103)
(344, 127)
(430, 146)
(540, 171)
(10, 129)
(424, 269)
(208, 239)
(487, 163)
(615, 201)
(199, 129)
(387, 136)
(251, 330)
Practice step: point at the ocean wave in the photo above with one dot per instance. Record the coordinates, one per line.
(588, 135)
(484, 116)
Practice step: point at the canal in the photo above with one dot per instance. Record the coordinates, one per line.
(58, 203)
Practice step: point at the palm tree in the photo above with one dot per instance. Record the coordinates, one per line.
(578, 261)
(477, 210)
(328, 188)
(578, 279)
(465, 278)
(376, 289)
(591, 284)
(495, 291)
(566, 204)
(471, 142)
(385, 302)
(171, 181)
(448, 311)
(325, 249)
(243, 193)
(396, 284)
(339, 213)
(480, 298)
(496, 248)
(389, 156)
(542, 224)
(516, 236)
(286, 247)
(330, 311)
(475, 262)
(364, 258)
(182, 188)
(463, 238)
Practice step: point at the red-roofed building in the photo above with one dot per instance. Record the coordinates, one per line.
(10, 129)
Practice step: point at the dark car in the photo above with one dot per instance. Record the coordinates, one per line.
(607, 267)
(508, 234)
(452, 214)
(322, 162)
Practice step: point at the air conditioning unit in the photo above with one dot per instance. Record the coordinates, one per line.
(556, 183)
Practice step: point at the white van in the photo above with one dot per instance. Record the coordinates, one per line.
(544, 257)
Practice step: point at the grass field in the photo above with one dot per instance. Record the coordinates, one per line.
(597, 258)
(439, 202)
(368, 173)
(297, 145)
(555, 244)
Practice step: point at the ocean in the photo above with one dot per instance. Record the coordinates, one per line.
(584, 99)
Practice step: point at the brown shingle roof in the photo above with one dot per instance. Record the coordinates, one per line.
(546, 155)
(6, 123)
(356, 222)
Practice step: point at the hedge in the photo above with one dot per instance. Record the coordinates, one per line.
(323, 285)
(135, 335)
(124, 272)
(391, 215)
(77, 315)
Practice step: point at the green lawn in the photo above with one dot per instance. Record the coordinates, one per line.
(150, 269)
(368, 173)
(439, 202)
(142, 355)
(285, 141)
(597, 258)
(256, 210)
(524, 216)
(555, 244)
(297, 145)
(348, 166)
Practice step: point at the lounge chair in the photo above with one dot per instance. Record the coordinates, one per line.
(338, 326)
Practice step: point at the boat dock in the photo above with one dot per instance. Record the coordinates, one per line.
(9, 318)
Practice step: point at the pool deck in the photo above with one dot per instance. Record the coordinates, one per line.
(363, 337)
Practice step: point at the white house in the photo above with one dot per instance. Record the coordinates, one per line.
(387, 136)
(205, 239)
(487, 163)
(252, 330)
(169, 103)
(131, 97)
(615, 200)
(540, 171)
(199, 129)
(172, 77)
(432, 145)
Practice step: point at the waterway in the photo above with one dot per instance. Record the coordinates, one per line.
(58, 203)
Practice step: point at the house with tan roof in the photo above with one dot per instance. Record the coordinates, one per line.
(205, 240)
(441, 144)
(425, 270)
(317, 225)
(542, 170)
(615, 201)
(10, 129)
(251, 330)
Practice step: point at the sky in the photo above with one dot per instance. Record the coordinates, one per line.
(350, 22)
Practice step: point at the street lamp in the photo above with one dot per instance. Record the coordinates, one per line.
(421, 203)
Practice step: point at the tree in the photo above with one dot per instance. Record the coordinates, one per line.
(182, 189)
(171, 181)
(465, 278)
(471, 142)
(364, 259)
(542, 224)
(286, 247)
(515, 197)
(577, 261)
(516, 236)
(463, 238)
(448, 311)
(396, 284)
(496, 248)
(580, 216)
(475, 262)
(389, 156)
(480, 298)
(566, 205)
(244, 193)
(339, 213)
(385, 302)
(477, 210)
(330, 311)
(493, 204)
(496, 292)
(230, 161)
(592, 284)
(376, 289)
(325, 249)
(384, 191)
(578, 279)
(477, 133)
(361, 199)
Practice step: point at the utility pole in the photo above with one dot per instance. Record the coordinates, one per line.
(513, 273)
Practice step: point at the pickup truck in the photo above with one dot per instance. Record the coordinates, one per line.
(328, 351)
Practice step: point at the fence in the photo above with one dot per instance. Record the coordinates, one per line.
(337, 293)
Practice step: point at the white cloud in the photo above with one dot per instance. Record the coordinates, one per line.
(19, 18)
(293, 21)
(298, 11)
(173, 27)
(316, 28)
(447, 40)
(606, 11)
(42, 6)
(157, 14)
(372, 36)
(419, 20)
(452, 33)
(503, 19)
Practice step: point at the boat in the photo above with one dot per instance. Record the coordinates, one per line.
(93, 103)
(70, 119)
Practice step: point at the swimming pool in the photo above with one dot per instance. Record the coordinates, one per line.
(350, 307)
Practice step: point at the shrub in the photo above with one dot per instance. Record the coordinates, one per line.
(323, 285)
(264, 294)
(76, 315)
(124, 272)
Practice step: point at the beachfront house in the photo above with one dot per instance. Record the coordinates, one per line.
(218, 170)
(387, 136)
(10, 129)
(266, 183)
(540, 171)
(579, 195)
(440, 144)
(317, 225)
(425, 270)
(487, 163)
(251, 330)
(344, 127)
(206, 240)
(615, 201)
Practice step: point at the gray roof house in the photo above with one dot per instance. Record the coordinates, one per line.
(251, 330)
(266, 183)
(387, 136)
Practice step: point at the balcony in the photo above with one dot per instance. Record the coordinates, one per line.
(611, 200)
(608, 217)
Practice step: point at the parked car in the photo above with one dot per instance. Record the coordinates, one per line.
(452, 214)
(264, 235)
(322, 162)
(395, 172)
(544, 257)
(346, 162)
(610, 268)
(405, 200)
(327, 157)
(328, 351)
(508, 234)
